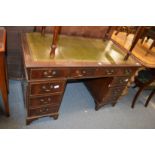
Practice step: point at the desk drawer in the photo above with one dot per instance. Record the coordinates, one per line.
(115, 71)
(119, 81)
(48, 73)
(82, 72)
(128, 71)
(108, 71)
(46, 87)
(53, 99)
(43, 111)
(115, 91)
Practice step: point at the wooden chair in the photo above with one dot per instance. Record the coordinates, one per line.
(137, 30)
(56, 32)
(84, 31)
(145, 79)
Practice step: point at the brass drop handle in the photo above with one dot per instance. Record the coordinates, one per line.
(46, 74)
(78, 73)
(44, 110)
(109, 71)
(43, 101)
(84, 72)
(45, 89)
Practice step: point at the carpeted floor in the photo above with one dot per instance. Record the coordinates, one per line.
(77, 111)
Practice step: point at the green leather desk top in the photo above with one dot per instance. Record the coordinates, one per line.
(73, 48)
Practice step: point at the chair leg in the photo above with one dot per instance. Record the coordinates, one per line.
(136, 96)
(149, 98)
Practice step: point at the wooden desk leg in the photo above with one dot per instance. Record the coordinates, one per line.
(6, 76)
(3, 84)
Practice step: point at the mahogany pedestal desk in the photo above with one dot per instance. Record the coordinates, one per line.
(3, 72)
(100, 64)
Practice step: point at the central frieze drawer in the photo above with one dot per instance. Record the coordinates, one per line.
(46, 87)
(43, 110)
(47, 73)
(53, 99)
(82, 72)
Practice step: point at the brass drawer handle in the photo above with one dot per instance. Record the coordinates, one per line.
(44, 110)
(47, 101)
(45, 89)
(48, 74)
(84, 72)
(109, 71)
(78, 73)
(43, 101)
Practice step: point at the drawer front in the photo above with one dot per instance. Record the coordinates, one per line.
(43, 111)
(48, 73)
(108, 71)
(119, 81)
(46, 100)
(82, 72)
(115, 91)
(115, 71)
(128, 71)
(46, 87)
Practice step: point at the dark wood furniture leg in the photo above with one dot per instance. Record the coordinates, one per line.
(135, 40)
(56, 32)
(136, 96)
(3, 84)
(149, 98)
